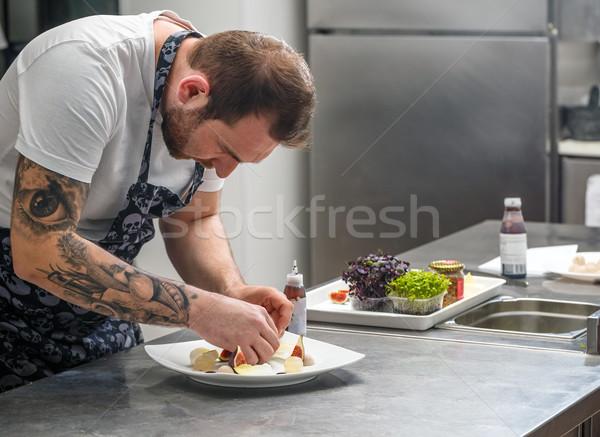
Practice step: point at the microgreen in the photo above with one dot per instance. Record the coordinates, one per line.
(367, 276)
(418, 284)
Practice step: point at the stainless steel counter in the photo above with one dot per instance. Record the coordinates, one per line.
(430, 383)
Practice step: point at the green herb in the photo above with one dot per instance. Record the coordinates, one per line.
(418, 284)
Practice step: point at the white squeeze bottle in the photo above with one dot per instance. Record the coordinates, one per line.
(295, 292)
(513, 240)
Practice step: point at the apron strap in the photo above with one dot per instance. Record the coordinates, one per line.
(163, 66)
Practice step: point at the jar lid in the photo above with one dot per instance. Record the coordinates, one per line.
(447, 265)
(512, 202)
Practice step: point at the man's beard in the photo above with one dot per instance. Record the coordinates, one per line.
(177, 127)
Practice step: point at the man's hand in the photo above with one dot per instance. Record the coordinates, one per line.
(230, 322)
(274, 301)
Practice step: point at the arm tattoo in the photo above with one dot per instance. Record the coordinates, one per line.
(117, 290)
(45, 201)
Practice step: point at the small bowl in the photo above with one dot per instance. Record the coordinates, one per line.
(418, 307)
(375, 304)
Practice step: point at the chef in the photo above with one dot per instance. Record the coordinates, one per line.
(107, 123)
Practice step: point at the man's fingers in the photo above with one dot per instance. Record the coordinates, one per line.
(250, 355)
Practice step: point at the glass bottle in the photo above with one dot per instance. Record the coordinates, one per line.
(513, 240)
(295, 292)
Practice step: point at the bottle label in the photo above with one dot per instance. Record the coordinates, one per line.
(298, 323)
(460, 289)
(513, 253)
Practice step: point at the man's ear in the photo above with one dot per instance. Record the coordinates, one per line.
(193, 90)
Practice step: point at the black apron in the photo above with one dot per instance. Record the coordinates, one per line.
(41, 334)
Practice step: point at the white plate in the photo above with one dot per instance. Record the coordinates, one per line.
(176, 356)
(321, 309)
(562, 267)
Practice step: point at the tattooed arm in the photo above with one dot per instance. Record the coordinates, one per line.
(197, 245)
(48, 252)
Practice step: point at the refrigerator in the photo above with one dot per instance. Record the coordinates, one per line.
(429, 114)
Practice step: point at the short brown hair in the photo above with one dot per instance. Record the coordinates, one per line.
(253, 73)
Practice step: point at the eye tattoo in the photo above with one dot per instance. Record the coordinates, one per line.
(43, 203)
(45, 210)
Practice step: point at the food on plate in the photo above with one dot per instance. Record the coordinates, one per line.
(196, 353)
(257, 369)
(211, 361)
(203, 359)
(308, 360)
(225, 355)
(339, 297)
(298, 350)
(205, 362)
(579, 260)
(367, 277)
(295, 361)
(237, 358)
(287, 350)
(293, 364)
(579, 265)
(298, 358)
(284, 350)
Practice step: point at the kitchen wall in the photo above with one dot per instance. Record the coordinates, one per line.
(257, 198)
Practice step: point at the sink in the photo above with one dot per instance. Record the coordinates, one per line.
(527, 316)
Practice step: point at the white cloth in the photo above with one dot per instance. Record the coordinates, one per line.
(592, 201)
(540, 260)
(77, 101)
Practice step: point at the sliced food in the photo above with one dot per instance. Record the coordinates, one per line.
(195, 353)
(339, 297)
(237, 358)
(298, 349)
(293, 364)
(284, 350)
(258, 369)
(225, 355)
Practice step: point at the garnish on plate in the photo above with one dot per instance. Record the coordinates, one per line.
(294, 357)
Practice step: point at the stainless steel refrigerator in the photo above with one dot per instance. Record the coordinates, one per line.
(430, 113)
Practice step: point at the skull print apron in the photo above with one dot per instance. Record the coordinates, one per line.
(41, 334)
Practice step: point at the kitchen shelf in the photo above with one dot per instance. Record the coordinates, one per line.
(590, 149)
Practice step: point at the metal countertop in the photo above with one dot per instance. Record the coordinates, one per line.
(430, 383)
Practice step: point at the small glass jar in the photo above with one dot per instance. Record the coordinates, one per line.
(453, 270)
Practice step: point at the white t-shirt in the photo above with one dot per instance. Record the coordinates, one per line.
(77, 101)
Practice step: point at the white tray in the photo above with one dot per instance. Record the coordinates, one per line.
(321, 309)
